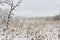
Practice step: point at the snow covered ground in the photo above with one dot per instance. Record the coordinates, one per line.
(30, 30)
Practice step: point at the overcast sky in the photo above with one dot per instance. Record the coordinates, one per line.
(34, 8)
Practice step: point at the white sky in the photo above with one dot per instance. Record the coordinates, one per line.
(34, 8)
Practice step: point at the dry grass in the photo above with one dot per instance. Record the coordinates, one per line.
(33, 28)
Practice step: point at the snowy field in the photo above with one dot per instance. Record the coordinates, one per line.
(30, 30)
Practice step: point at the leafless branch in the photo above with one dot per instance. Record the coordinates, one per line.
(9, 15)
(12, 8)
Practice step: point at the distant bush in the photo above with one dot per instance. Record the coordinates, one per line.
(57, 17)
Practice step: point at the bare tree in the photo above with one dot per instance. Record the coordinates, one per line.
(12, 7)
(56, 17)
